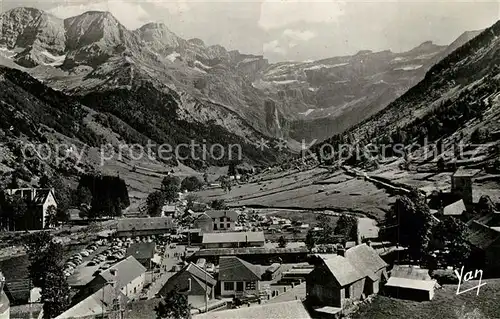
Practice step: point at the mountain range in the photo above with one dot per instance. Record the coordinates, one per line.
(150, 84)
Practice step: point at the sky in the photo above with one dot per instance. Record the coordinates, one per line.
(298, 30)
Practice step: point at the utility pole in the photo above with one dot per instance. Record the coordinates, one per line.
(206, 289)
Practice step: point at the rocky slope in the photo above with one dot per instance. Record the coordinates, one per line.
(94, 54)
(452, 114)
(342, 91)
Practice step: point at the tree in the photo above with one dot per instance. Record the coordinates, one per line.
(18, 209)
(452, 234)
(44, 182)
(310, 240)
(191, 199)
(51, 217)
(218, 204)
(174, 306)
(225, 183)
(154, 203)
(410, 224)
(485, 205)
(83, 197)
(282, 242)
(171, 181)
(55, 294)
(191, 184)
(348, 227)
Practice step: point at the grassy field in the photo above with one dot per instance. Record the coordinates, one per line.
(312, 189)
(445, 305)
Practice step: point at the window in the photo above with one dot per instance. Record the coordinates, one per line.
(228, 225)
(229, 285)
(348, 292)
(239, 286)
(215, 226)
(228, 219)
(221, 226)
(221, 219)
(250, 285)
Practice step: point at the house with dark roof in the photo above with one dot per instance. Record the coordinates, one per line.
(339, 280)
(203, 222)
(223, 220)
(233, 239)
(238, 277)
(334, 282)
(194, 282)
(39, 200)
(143, 252)
(128, 276)
(144, 226)
(485, 242)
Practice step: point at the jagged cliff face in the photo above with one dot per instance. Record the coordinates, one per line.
(329, 96)
(32, 37)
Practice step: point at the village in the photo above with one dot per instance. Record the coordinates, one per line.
(251, 263)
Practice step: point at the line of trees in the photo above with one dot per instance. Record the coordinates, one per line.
(101, 196)
(346, 229)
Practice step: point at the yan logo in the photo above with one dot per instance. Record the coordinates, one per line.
(478, 274)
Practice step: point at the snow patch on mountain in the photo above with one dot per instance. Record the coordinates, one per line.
(324, 66)
(409, 68)
(306, 113)
(56, 60)
(173, 56)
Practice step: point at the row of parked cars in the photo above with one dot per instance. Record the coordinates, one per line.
(77, 259)
(107, 258)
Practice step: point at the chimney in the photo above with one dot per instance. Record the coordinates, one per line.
(341, 251)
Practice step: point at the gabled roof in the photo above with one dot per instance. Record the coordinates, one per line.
(482, 236)
(410, 272)
(126, 271)
(233, 237)
(232, 268)
(199, 273)
(223, 213)
(366, 260)
(93, 304)
(145, 223)
(343, 271)
(281, 310)
(455, 209)
(141, 250)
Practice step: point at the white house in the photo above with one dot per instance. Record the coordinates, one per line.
(223, 220)
(238, 277)
(41, 198)
(128, 276)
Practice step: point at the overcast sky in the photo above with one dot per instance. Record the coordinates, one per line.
(295, 30)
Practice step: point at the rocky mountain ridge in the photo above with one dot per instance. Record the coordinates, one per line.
(290, 100)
